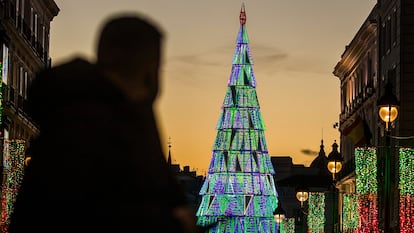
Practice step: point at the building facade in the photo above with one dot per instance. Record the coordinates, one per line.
(382, 51)
(24, 42)
(24, 50)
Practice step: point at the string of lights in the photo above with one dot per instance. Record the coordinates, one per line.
(367, 187)
(406, 187)
(288, 225)
(13, 162)
(350, 213)
(316, 215)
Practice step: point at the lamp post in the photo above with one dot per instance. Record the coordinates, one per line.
(302, 194)
(279, 215)
(334, 166)
(334, 161)
(388, 111)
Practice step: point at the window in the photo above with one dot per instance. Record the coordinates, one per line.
(388, 35)
(369, 70)
(16, 76)
(21, 80)
(43, 37)
(31, 18)
(382, 40)
(35, 26)
(394, 27)
(343, 99)
(25, 85)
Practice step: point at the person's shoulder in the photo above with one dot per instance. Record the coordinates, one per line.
(74, 62)
(71, 71)
(74, 65)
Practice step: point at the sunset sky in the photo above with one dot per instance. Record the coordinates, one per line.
(295, 46)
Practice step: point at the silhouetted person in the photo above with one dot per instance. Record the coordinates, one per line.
(97, 165)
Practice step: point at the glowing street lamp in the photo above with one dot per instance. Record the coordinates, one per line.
(388, 111)
(302, 194)
(388, 106)
(334, 161)
(334, 166)
(279, 214)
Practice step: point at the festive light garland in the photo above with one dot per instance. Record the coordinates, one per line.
(288, 225)
(366, 170)
(316, 215)
(366, 187)
(350, 213)
(13, 163)
(406, 186)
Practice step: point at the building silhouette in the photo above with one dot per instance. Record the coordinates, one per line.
(381, 51)
(316, 178)
(190, 181)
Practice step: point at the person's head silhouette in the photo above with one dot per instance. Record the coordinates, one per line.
(128, 53)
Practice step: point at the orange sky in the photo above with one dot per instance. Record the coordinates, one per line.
(295, 45)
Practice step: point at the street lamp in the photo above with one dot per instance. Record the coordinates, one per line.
(279, 214)
(334, 161)
(388, 106)
(302, 194)
(388, 111)
(334, 166)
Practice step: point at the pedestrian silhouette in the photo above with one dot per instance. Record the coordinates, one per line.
(97, 164)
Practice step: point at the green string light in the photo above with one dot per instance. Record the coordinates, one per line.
(366, 170)
(316, 216)
(366, 187)
(288, 225)
(350, 212)
(406, 186)
(406, 171)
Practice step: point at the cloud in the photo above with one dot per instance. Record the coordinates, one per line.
(309, 152)
(215, 63)
(196, 59)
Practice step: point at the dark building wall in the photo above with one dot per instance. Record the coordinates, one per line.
(406, 126)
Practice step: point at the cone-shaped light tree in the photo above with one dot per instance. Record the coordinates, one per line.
(239, 193)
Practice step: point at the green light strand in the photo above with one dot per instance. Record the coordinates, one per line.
(350, 212)
(316, 216)
(406, 184)
(366, 170)
(288, 225)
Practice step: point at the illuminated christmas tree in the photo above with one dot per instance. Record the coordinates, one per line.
(239, 193)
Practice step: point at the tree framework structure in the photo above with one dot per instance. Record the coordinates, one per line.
(239, 193)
